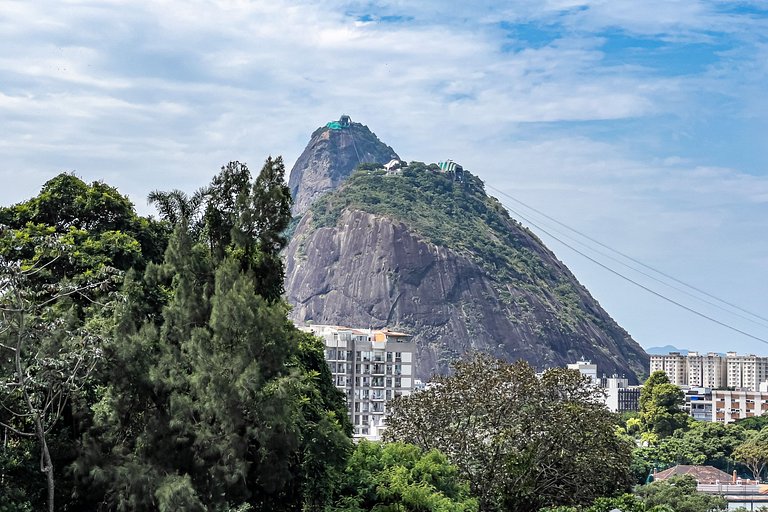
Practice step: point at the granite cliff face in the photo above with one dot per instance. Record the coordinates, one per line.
(333, 152)
(430, 253)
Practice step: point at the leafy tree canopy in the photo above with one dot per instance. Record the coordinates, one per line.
(661, 412)
(396, 476)
(522, 441)
(214, 399)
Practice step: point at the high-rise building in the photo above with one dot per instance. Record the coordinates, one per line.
(712, 370)
(674, 365)
(746, 371)
(371, 367)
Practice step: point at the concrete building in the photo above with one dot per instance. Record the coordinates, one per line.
(713, 370)
(371, 367)
(619, 395)
(674, 365)
(587, 368)
(724, 406)
(746, 371)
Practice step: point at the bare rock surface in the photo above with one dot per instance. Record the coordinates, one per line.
(329, 158)
(372, 271)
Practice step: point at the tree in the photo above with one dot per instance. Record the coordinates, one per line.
(215, 399)
(62, 244)
(47, 354)
(753, 452)
(661, 406)
(396, 476)
(523, 442)
(679, 493)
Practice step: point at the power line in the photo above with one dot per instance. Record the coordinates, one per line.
(699, 290)
(646, 274)
(632, 281)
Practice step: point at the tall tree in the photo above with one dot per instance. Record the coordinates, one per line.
(523, 442)
(396, 476)
(58, 246)
(219, 401)
(661, 406)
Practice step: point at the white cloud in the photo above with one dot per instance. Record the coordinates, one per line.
(159, 94)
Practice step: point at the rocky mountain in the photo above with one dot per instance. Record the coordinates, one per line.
(333, 152)
(430, 253)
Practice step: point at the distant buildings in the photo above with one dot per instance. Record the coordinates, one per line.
(713, 370)
(719, 388)
(371, 367)
(619, 395)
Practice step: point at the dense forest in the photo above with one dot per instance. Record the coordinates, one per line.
(148, 364)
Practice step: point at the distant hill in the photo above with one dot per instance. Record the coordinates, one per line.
(666, 349)
(429, 252)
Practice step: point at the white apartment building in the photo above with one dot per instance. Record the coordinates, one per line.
(725, 406)
(712, 370)
(706, 370)
(674, 365)
(371, 367)
(587, 368)
(746, 371)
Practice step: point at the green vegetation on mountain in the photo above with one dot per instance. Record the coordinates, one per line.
(454, 211)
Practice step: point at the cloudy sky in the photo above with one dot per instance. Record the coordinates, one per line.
(641, 124)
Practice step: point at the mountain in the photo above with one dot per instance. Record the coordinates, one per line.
(666, 349)
(430, 253)
(333, 152)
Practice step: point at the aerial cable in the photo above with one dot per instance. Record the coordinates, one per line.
(703, 292)
(649, 290)
(657, 279)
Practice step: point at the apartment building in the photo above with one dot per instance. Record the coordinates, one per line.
(586, 368)
(619, 395)
(725, 406)
(674, 365)
(746, 371)
(370, 367)
(713, 370)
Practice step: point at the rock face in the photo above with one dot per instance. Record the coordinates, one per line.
(330, 157)
(430, 253)
(371, 271)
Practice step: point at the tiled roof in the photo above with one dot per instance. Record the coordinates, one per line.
(702, 474)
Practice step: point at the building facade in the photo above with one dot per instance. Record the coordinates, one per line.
(370, 367)
(712, 370)
(725, 406)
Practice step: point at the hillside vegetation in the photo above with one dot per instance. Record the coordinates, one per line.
(456, 213)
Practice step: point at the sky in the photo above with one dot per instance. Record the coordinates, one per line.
(642, 124)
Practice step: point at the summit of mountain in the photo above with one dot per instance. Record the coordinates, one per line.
(424, 249)
(333, 152)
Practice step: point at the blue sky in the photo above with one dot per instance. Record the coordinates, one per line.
(641, 124)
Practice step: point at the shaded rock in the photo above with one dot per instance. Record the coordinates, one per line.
(330, 157)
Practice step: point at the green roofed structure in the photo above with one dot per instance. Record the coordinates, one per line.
(344, 122)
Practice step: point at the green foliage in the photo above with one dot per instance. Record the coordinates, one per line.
(396, 476)
(214, 399)
(459, 215)
(661, 412)
(95, 226)
(680, 495)
(753, 423)
(753, 452)
(625, 503)
(704, 443)
(523, 442)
